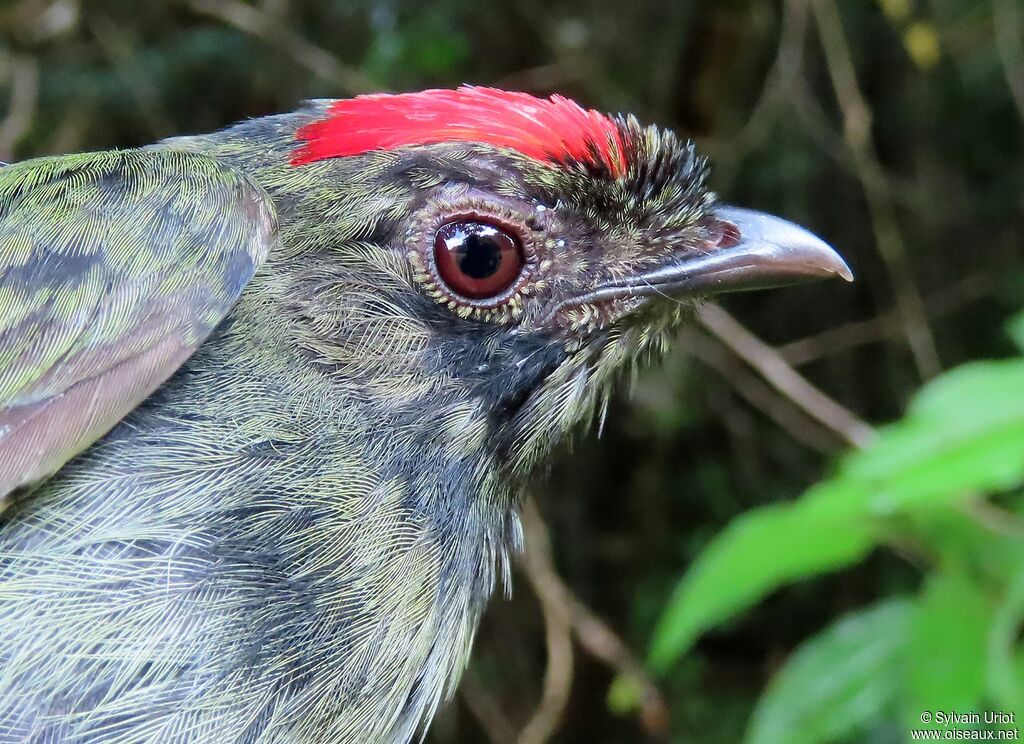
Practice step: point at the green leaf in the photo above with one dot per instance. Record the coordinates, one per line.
(625, 695)
(1005, 661)
(837, 683)
(756, 553)
(963, 434)
(946, 654)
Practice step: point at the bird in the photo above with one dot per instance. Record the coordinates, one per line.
(271, 397)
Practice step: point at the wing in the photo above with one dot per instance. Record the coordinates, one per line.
(114, 267)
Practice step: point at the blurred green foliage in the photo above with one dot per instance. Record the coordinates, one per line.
(895, 583)
(952, 647)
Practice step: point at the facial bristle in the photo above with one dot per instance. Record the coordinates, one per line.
(554, 130)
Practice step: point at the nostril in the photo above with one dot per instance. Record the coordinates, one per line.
(722, 234)
(731, 236)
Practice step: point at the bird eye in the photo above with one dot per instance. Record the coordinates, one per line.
(477, 260)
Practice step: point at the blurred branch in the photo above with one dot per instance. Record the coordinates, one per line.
(601, 642)
(564, 612)
(785, 70)
(887, 325)
(23, 73)
(70, 133)
(538, 78)
(780, 375)
(571, 60)
(777, 89)
(267, 27)
(551, 593)
(120, 52)
(857, 123)
(275, 8)
(485, 709)
(1008, 27)
(751, 388)
(831, 143)
(31, 22)
(994, 518)
(785, 84)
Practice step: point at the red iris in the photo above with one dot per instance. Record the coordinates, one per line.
(477, 260)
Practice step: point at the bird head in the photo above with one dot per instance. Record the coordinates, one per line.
(489, 261)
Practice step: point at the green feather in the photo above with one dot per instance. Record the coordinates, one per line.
(114, 267)
(293, 539)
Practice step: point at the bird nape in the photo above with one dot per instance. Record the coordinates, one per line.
(269, 397)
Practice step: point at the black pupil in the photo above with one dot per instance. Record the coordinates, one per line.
(478, 250)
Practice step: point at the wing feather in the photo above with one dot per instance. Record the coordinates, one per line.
(114, 267)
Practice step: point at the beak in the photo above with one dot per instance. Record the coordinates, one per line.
(751, 250)
(756, 251)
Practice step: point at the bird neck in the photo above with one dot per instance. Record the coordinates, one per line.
(323, 550)
(326, 323)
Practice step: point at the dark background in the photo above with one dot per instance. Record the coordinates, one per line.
(892, 128)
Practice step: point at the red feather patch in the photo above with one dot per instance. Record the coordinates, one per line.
(552, 130)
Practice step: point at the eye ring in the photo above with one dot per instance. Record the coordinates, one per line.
(478, 259)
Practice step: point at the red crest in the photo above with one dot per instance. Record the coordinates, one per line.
(552, 130)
